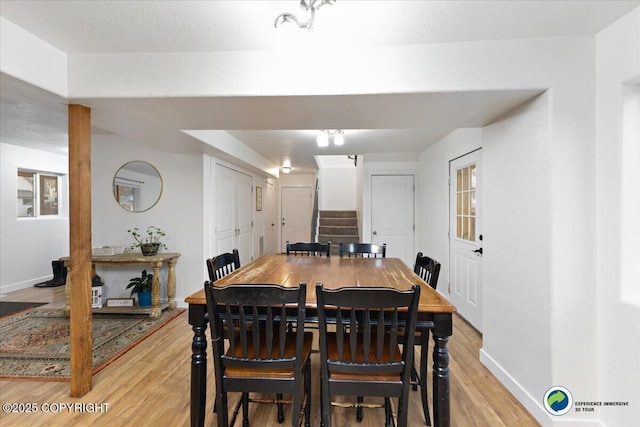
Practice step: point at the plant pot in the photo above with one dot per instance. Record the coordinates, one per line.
(144, 299)
(149, 249)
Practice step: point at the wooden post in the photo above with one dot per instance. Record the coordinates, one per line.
(81, 340)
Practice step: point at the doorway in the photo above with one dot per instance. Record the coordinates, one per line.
(392, 216)
(296, 215)
(465, 236)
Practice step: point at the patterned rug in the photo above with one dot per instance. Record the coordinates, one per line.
(35, 344)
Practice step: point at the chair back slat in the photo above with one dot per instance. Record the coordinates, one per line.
(353, 336)
(428, 269)
(365, 250)
(223, 264)
(309, 249)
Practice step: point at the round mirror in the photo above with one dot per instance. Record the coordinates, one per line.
(137, 186)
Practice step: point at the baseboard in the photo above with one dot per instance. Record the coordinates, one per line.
(4, 289)
(531, 404)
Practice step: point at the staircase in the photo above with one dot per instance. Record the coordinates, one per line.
(337, 227)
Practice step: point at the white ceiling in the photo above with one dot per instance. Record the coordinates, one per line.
(280, 127)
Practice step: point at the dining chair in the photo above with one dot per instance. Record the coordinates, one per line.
(309, 248)
(363, 357)
(223, 264)
(261, 356)
(367, 250)
(428, 269)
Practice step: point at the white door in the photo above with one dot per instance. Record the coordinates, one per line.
(269, 220)
(465, 236)
(296, 215)
(244, 216)
(392, 201)
(234, 212)
(225, 209)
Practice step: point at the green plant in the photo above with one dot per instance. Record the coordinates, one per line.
(141, 284)
(153, 235)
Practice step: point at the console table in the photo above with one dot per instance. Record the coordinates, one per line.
(155, 262)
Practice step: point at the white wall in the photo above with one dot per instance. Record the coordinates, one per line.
(179, 212)
(337, 188)
(29, 245)
(517, 257)
(618, 66)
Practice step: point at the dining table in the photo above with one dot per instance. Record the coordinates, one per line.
(434, 311)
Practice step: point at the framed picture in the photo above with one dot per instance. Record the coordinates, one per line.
(258, 198)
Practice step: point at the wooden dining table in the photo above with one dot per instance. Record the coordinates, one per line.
(434, 311)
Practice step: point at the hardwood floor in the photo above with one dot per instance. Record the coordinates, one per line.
(149, 386)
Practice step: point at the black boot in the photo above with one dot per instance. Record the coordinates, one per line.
(59, 276)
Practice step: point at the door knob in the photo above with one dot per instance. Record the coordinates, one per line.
(375, 233)
(478, 251)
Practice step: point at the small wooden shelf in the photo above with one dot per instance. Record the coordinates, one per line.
(127, 310)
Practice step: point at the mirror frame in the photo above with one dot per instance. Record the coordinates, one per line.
(123, 167)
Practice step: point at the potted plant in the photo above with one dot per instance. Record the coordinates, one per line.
(142, 286)
(149, 243)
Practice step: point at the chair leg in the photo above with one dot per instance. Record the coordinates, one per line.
(387, 413)
(280, 411)
(221, 401)
(325, 404)
(424, 346)
(245, 409)
(307, 391)
(414, 374)
(359, 414)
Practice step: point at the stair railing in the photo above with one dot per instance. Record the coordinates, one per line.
(314, 216)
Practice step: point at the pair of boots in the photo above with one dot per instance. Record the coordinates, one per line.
(59, 276)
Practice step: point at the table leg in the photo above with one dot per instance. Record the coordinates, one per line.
(198, 322)
(155, 291)
(442, 330)
(171, 284)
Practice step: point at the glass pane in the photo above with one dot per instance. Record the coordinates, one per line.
(473, 177)
(472, 229)
(48, 195)
(472, 196)
(459, 180)
(459, 227)
(465, 178)
(26, 194)
(467, 203)
(459, 204)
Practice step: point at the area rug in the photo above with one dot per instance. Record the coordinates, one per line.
(10, 307)
(35, 344)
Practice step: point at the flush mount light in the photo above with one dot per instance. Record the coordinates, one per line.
(310, 6)
(286, 169)
(324, 135)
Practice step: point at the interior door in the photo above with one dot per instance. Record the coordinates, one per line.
(465, 236)
(269, 219)
(225, 209)
(392, 218)
(296, 215)
(244, 216)
(233, 212)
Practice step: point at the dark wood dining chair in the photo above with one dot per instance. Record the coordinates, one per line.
(262, 356)
(309, 249)
(367, 250)
(363, 357)
(429, 270)
(223, 264)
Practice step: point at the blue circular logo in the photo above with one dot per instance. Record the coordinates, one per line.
(558, 400)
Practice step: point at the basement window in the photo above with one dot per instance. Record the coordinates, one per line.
(37, 194)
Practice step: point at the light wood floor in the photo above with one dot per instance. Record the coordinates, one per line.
(149, 386)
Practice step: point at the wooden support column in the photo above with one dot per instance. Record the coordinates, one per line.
(80, 248)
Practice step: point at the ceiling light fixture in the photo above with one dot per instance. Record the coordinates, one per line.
(324, 135)
(310, 6)
(286, 169)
